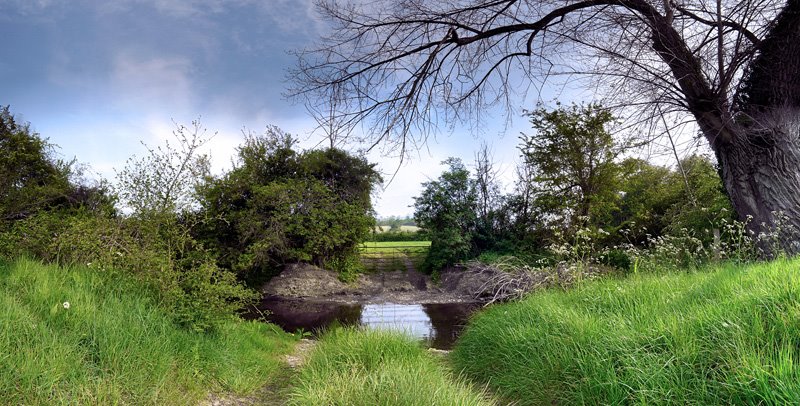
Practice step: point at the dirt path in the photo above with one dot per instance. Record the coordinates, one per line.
(301, 350)
(277, 391)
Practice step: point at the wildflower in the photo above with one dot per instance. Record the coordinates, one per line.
(66, 305)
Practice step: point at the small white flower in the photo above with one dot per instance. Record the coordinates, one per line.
(89, 264)
(66, 305)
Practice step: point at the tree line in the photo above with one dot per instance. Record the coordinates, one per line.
(574, 181)
(200, 240)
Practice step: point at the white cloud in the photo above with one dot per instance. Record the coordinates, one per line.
(147, 81)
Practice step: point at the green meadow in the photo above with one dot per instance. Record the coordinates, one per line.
(393, 255)
(78, 336)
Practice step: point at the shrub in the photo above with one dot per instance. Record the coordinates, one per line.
(279, 206)
(347, 265)
(159, 251)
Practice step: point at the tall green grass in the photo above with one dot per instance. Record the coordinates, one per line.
(376, 367)
(724, 336)
(114, 344)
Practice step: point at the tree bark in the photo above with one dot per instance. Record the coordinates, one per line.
(762, 176)
(761, 162)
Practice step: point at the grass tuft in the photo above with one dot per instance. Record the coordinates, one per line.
(725, 336)
(114, 344)
(377, 367)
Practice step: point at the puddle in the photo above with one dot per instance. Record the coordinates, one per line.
(437, 324)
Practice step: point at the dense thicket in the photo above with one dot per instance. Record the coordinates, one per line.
(32, 179)
(278, 205)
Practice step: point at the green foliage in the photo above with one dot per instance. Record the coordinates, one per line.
(33, 180)
(30, 179)
(278, 206)
(616, 258)
(375, 367)
(718, 337)
(79, 336)
(656, 201)
(446, 210)
(648, 191)
(165, 180)
(707, 206)
(348, 266)
(571, 158)
(419, 235)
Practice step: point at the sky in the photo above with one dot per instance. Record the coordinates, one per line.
(99, 78)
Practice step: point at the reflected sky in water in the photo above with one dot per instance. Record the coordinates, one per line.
(437, 324)
(410, 319)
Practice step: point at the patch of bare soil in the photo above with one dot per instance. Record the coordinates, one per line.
(298, 357)
(274, 393)
(307, 282)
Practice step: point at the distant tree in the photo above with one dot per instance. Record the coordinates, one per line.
(571, 158)
(446, 210)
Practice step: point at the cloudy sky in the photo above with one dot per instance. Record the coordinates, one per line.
(99, 77)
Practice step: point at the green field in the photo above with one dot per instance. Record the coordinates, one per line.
(393, 255)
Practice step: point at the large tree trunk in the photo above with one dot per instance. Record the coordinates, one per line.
(760, 161)
(761, 172)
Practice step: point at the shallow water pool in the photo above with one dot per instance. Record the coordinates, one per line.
(437, 324)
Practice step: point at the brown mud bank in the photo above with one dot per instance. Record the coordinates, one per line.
(310, 283)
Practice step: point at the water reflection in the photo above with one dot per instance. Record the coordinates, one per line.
(410, 319)
(438, 324)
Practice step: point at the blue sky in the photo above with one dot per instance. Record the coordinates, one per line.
(99, 77)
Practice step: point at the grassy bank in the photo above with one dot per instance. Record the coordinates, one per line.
(79, 336)
(374, 367)
(724, 336)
